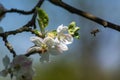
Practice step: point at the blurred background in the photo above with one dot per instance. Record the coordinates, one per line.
(90, 58)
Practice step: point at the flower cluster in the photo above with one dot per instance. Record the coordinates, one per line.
(20, 68)
(54, 42)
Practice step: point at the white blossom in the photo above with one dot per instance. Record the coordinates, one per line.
(48, 41)
(62, 39)
(44, 44)
(61, 47)
(22, 68)
(62, 28)
(63, 36)
(54, 44)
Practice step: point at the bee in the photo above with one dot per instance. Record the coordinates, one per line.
(93, 32)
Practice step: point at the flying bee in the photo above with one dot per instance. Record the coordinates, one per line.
(94, 32)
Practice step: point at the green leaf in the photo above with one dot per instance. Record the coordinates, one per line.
(76, 29)
(73, 30)
(43, 18)
(42, 28)
(77, 36)
(37, 32)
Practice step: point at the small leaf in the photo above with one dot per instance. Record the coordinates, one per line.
(73, 30)
(6, 61)
(37, 32)
(42, 17)
(76, 29)
(77, 36)
(42, 29)
(1, 30)
(72, 25)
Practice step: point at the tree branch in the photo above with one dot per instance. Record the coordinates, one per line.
(9, 46)
(19, 11)
(22, 11)
(26, 27)
(86, 15)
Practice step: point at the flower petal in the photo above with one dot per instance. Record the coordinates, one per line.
(62, 29)
(49, 41)
(67, 39)
(36, 40)
(62, 47)
(21, 61)
(22, 68)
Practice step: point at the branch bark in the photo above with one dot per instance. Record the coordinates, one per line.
(89, 16)
(22, 11)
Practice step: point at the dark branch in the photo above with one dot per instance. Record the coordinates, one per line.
(14, 32)
(86, 15)
(25, 28)
(22, 11)
(9, 46)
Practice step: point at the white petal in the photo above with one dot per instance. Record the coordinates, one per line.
(62, 29)
(67, 39)
(57, 41)
(62, 47)
(22, 61)
(49, 41)
(54, 51)
(36, 40)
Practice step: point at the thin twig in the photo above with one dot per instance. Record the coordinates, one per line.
(26, 26)
(20, 11)
(86, 15)
(23, 11)
(14, 32)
